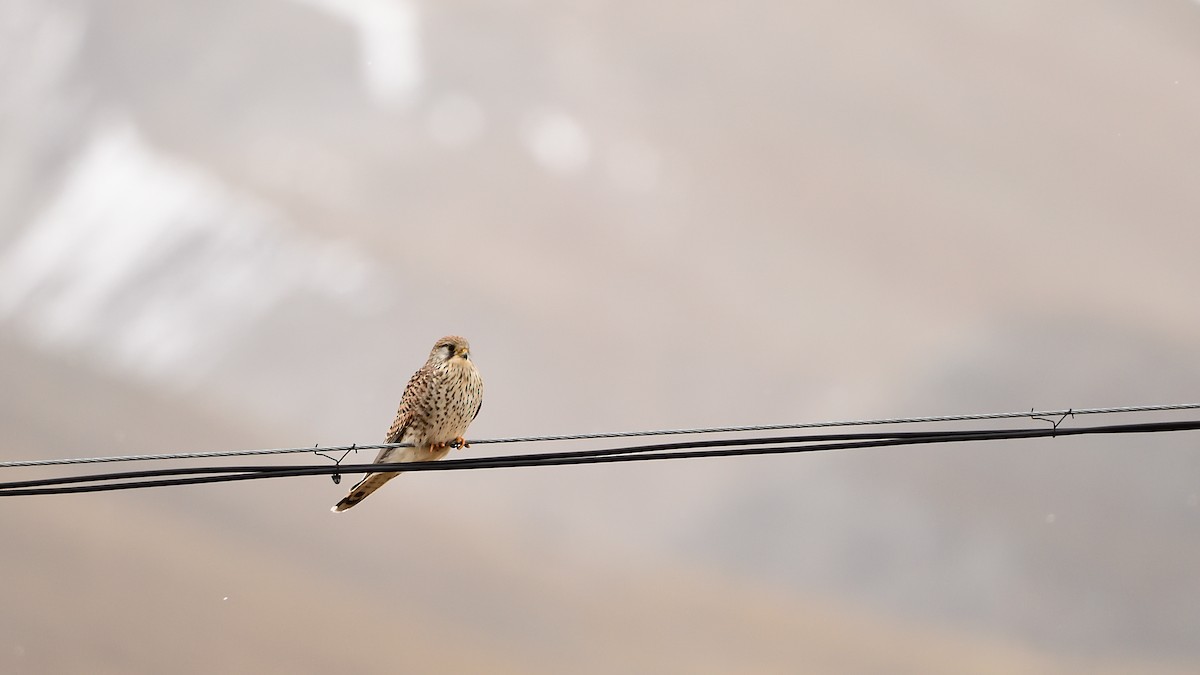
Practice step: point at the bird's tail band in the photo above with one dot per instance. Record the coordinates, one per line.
(363, 489)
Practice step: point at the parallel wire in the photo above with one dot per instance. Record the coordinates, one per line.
(690, 450)
(1031, 414)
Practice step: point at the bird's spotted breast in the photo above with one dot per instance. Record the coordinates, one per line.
(449, 404)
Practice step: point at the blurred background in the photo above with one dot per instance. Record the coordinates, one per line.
(237, 224)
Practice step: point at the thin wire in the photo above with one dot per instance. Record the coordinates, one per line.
(627, 454)
(1031, 414)
(471, 461)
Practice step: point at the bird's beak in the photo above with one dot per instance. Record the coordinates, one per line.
(466, 355)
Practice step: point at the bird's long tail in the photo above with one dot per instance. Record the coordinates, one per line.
(363, 489)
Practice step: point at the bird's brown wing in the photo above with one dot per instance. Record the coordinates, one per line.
(404, 415)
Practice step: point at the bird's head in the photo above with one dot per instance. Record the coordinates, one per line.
(450, 348)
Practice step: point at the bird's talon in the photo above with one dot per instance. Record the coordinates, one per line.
(460, 443)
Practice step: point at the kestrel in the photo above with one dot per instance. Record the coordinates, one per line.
(439, 403)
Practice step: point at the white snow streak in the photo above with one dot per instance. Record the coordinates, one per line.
(152, 265)
(389, 44)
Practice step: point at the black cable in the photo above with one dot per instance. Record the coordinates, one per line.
(465, 463)
(680, 450)
(1043, 415)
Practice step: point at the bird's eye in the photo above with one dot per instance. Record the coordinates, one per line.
(449, 351)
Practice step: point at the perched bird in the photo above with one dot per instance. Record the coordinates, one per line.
(439, 403)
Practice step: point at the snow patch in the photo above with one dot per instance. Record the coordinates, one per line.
(558, 142)
(389, 44)
(150, 264)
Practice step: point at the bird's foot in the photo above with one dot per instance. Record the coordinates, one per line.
(438, 446)
(460, 443)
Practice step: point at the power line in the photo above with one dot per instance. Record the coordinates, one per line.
(678, 450)
(1031, 414)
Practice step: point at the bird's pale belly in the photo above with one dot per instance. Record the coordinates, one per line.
(453, 416)
(444, 431)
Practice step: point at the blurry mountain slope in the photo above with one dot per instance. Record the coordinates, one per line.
(643, 217)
